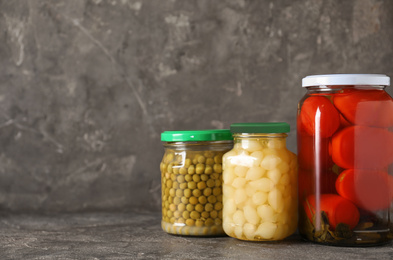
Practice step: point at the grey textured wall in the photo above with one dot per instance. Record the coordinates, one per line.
(86, 87)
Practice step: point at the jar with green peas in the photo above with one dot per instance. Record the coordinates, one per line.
(191, 181)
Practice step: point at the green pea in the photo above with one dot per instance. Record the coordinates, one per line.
(179, 193)
(210, 183)
(212, 199)
(201, 185)
(199, 223)
(207, 192)
(199, 208)
(177, 200)
(190, 222)
(190, 207)
(201, 159)
(195, 215)
(183, 171)
(183, 185)
(217, 168)
(209, 222)
(204, 177)
(208, 169)
(187, 163)
(187, 193)
(188, 177)
(180, 179)
(193, 200)
(196, 193)
(200, 168)
(192, 185)
(181, 207)
(218, 206)
(184, 200)
(210, 161)
(216, 191)
(172, 192)
(213, 214)
(196, 178)
(186, 214)
(205, 214)
(209, 207)
(202, 199)
(191, 169)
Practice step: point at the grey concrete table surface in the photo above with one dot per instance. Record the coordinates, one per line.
(139, 236)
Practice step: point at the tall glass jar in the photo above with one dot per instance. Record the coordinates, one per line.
(345, 150)
(260, 183)
(191, 181)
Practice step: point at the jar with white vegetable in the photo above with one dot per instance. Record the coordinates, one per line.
(260, 183)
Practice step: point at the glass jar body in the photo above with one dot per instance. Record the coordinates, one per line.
(260, 188)
(191, 183)
(345, 151)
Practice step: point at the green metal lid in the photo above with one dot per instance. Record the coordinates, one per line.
(273, 127)
(196, 135)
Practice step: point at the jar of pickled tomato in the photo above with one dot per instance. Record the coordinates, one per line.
(191, 181)
(345, 151)
(260, 183)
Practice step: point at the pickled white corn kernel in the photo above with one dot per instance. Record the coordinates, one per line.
(251, 145)
(275, 144)
(255, 173)
(270, 162)
(274, 175)
(283, 167)
(250, 190)
(266, 213)
(238, 182)
(249, 231)
(229, 175)
(228, 226)
(229, 191)
(266, 230)
(280, 232)
(238, 231)
(264, 184)
(241, 171)
(226, 159)
(276, 200)
(238, 218)
(240, 196)
(229, 207)
(285, 179)
(251, 215)
(259, 198)
(257, 156)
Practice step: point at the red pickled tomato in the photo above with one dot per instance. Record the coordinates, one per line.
(366, 107)
(362, 147)
(368, 189)
(310, 151)
(337, 209)
(319, 109)
(307, 182)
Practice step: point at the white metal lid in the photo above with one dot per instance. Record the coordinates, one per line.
(346, 79)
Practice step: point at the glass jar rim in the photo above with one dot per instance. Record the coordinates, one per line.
(346, 79)
(196, 135)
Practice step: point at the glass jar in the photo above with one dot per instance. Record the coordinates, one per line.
(345, 150)
(260, 183)
(191, 181)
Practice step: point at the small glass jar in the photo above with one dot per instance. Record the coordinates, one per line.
(345, 150)
(191, 181)
(260, 183)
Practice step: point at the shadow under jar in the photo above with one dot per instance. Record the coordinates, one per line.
(191, 181)
(345, 152)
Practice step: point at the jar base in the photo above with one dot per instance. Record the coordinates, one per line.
(204, 231)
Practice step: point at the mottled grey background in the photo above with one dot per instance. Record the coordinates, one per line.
(86, 87)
